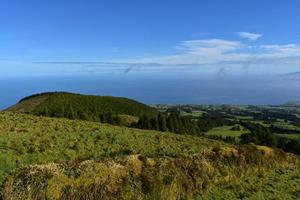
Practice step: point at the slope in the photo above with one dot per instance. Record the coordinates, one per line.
(77, 106)
(49, 158)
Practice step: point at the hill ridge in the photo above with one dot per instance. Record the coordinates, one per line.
(81, 106)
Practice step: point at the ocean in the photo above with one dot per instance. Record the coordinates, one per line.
(159, 89)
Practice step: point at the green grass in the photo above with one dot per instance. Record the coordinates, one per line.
(285, 125)
(291, 136)
(298, 115)
(278, 184)
(193, 114)
(26, 139)
(243, 117)
(225, 131)
(49, 158)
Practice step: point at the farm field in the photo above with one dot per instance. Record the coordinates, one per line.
(286, 125)
(226, 131)
(291, 136)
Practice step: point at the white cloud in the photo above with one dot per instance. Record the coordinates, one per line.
(249, 36)
(281, 48)
(287, 49)
(217, 54)
(208, 53)
(219, 44)
(220, 51)
(200, 52)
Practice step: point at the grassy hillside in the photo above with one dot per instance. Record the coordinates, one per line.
(27, 139)
(49, 158)
(77, 106)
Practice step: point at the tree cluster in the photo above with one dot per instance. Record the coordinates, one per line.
(261, 135)
(174, 122)
(90, 108)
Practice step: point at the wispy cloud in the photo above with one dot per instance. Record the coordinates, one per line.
(287, 50)
(218, 54)
(199, 52)
(249, 36)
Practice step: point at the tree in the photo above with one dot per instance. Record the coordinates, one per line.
(109, 118)
(162, 123)
(154, 123)
(71, 113)
(259, 135)
(144, 123)
(293, 146)
(46, 112)
(174, 119)
(102, 118)
(236, 128)
(170, 124)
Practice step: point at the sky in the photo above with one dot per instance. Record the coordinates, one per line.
(205, 37)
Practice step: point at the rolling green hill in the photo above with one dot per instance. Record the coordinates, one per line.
(85, 107)
(51, 158)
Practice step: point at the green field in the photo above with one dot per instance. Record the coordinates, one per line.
(285, 125)
(225, 131)
(243, 117)
(291, 136)
(193, 113)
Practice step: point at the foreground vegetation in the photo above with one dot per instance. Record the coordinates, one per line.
(27, 139)
(48, 158)
(246, 172)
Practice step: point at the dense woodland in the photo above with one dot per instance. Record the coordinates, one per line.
(175, 123)
(88, 107)
(263, 136)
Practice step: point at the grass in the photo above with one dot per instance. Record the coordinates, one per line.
(48, 158)
(225, 131)
(246, 172)
(193, 113)
(243, 117)
(28, 106)
(291, 136)
(26, 140)
(277, 184)
(285, 125)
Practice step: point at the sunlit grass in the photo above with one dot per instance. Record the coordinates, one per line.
(48, 158)
(226, 131)
(26, 139)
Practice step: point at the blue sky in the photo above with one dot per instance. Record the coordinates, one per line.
(53, 37)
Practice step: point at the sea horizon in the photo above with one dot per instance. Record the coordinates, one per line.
(176, 89)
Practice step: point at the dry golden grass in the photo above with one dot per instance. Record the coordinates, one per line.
(28, 105)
